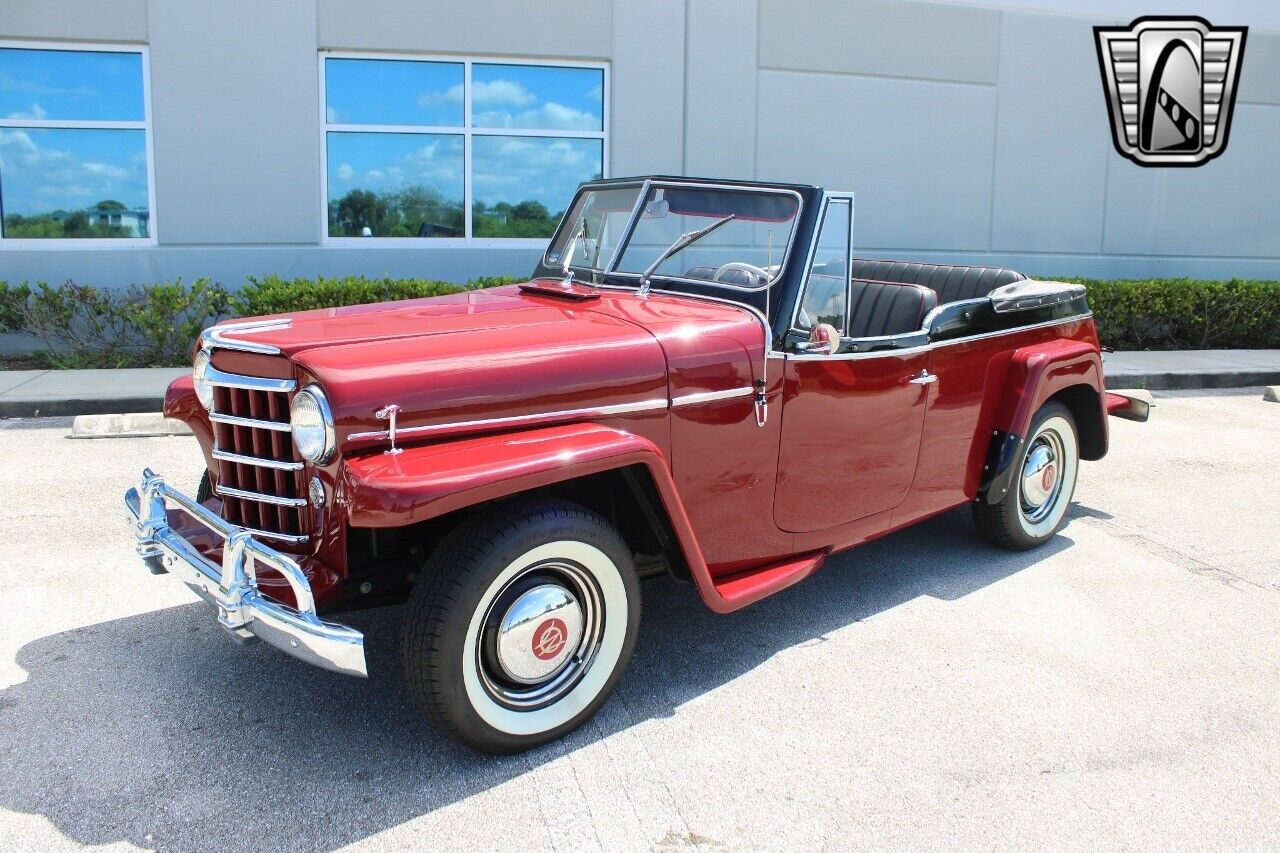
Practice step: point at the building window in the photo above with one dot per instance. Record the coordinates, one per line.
(75, 145)
(457, 149)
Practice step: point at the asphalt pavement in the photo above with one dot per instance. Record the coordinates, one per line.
(1119, 688)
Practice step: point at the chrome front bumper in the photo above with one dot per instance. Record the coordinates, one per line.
(233, 586)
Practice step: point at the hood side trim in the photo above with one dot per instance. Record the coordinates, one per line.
(539, 418)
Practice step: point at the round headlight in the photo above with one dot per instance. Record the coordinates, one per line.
(312, 424)
(204, 390)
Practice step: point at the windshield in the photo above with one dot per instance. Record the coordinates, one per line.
(746, 251)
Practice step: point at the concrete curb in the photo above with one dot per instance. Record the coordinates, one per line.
(1180, 381)
(131, 425)
(49, 408)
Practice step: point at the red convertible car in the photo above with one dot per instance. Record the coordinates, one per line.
(698, 380)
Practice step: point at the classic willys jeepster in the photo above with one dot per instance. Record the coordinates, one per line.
(698, 380)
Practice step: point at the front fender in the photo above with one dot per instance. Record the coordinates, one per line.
(1035, 375)
(419, 483)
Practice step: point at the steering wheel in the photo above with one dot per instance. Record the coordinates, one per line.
(741, 267)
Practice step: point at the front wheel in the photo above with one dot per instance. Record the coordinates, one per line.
(521, 626)
(1044, 480)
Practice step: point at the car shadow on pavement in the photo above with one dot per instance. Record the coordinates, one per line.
(158, 730)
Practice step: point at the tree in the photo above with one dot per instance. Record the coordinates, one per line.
(530, 210)
(358, 209)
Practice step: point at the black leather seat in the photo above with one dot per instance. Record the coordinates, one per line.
(951, 283)
(878, 308)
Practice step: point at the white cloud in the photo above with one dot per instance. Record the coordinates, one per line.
(16, 139)
(36, 111)
(345, 172)
(331, 115)
(492, 93)
(550, 116)
(105, 169)
(451, 96)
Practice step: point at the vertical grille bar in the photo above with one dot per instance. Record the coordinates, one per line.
(261, 443)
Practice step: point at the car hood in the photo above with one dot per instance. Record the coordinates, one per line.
(495, 354)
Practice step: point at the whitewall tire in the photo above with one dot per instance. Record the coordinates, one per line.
(521, 625)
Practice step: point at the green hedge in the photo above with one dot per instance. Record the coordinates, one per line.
(155, 324)
(1185, 314)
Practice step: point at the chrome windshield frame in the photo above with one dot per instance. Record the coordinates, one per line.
(611, 269)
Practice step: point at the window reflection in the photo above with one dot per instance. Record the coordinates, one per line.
(521, 183)
(388, 91)
(395, 185)
(74, 183)
(537, 97)
(70, 84)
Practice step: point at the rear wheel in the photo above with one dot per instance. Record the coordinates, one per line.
(1043, 483)
(521, 625)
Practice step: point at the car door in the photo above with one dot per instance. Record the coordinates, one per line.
(851, 421)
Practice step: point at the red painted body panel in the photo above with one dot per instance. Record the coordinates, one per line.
(850, 438)
(850, 450)
(966, 404)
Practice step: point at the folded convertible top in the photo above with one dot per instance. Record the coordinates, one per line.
(1033, 293)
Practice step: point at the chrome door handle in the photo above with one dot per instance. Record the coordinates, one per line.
(924, 377)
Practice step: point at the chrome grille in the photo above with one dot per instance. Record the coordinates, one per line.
(260, 476)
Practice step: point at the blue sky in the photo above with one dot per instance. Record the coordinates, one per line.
(60, 84)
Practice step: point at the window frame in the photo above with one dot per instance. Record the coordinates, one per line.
(145, 125)
(466, 131)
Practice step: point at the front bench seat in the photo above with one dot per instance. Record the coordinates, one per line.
(951, 282)
(879, 308)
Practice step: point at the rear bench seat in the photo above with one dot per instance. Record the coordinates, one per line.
(951, 283)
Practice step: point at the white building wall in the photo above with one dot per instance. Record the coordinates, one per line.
(971, 132)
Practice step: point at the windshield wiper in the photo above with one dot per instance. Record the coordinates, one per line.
(679, 245)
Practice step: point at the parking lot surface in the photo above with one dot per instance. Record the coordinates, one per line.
(1118, 688)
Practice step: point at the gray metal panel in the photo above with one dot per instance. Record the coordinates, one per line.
(109, 20)
(886, 38)
(918, 154)
(231, 264)
(1227, 207)
(580, 29)
(720, 107)
(235, 104)
(1052, 138)
(647, 136)
(1260, 71)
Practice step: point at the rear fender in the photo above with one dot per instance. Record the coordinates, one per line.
(1036, 374)
(419, 483)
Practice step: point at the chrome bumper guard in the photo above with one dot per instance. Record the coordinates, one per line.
(233, 586)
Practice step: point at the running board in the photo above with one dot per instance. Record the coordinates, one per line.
(751, 586)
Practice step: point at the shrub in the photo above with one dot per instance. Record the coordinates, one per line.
(138, 326)
(272, 294)
(1180, 313)
(155, 325)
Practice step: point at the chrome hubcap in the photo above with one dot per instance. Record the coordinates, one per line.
(539, 632)
(1041, 476)
(540, 635)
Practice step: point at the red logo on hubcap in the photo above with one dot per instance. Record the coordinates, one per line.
(1047, 478)
(549, 639)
